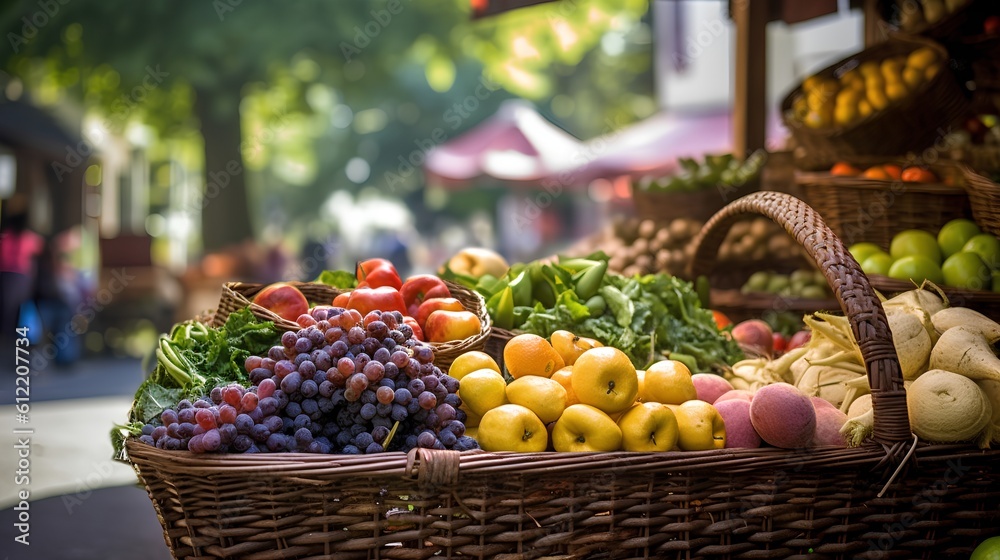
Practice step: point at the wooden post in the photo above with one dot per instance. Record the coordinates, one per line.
(874, 31)
(750, 100)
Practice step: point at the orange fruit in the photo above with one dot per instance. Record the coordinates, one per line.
(721, 320)
(530, 354)
(876, 172)
(919, 175)
(893, 171)
(844, 169)
(563, 376)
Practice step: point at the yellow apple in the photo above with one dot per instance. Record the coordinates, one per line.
(570, 346)
(605, 378)
(512, 427)
(668, 382)
(648, 427)
(471, 418)
(482, 391)
(585, 428)
(701, 426)
(477, 261)
(563, 376)
(541, 395)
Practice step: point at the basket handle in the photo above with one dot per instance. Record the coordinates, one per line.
(850, 285)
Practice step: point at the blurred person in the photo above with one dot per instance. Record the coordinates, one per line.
(314, 258)
(58, 291)
(19, 250)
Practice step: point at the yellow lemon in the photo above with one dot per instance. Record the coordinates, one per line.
(541, 395)
(482, 391)
(470, 362)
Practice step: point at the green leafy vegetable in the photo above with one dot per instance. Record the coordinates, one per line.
(650, 318)
(338, 279)
(193, 360)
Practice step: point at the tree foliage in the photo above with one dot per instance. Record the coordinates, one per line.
(313, 85)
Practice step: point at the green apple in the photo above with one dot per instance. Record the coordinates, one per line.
(877, 263)
(916, 268)
(955, 234)
(966, 270)
(915, 242)
(861, 251)
(987, 246)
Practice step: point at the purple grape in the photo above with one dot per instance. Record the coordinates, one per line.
(288, 339)
(244, 423)
(398, 413)
(242, 442)
(374, 371)
(363, 440)
(426, 440)
(309, 388)
(307, 369)
(211, 440)
(283, 368)
(291, 382)
(416, 386)
(302, 345)
(427, 400)
(276, 353)
(274, 424)
(277, 442)
(168, 417)
(368, 412)
(216, 395)
(260, 433)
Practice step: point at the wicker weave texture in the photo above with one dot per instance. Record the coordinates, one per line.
(859, 209)
(984, 195)
(765, 503)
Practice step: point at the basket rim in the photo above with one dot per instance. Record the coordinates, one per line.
(393, 464)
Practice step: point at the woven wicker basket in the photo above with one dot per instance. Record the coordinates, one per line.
(896, 498)
(984, 195)
(950, 28)
(860, 209)
(665, 207)
(238, 295)
(910, 124)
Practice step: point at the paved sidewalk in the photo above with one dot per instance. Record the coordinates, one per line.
(111, 524)
(70, 449)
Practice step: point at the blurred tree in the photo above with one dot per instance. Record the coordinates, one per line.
(347, 90)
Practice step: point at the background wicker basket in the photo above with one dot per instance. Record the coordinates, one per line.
(984, 196)
(859, 209)
(951, 27)
(909, 124)
(238, 295)
(747, 503)
(699, 205)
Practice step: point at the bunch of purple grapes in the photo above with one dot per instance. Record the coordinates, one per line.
(343, 383)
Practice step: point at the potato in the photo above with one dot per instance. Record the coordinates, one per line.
(647, 229)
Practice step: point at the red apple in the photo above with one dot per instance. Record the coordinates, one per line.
(444, 326)
(376, 273)
(420, 288)
(385, 298)
(434, 304)
(755, 337)
(285, 300)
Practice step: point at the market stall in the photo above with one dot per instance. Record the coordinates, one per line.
(602, 403)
